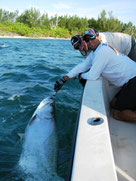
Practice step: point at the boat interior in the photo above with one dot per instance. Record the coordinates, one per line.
(105, 148)
(123, 139)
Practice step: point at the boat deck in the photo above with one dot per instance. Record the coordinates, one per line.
(105, 148)
(123, 139)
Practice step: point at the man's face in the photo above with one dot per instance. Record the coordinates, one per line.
(81, 46)
(93, 44)
(77, 45)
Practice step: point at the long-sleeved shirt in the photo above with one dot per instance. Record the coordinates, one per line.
(121, 41)
(118, 69)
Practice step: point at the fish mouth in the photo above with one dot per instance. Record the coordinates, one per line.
(51, 100)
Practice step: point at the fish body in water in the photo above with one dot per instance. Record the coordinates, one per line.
(39, 157)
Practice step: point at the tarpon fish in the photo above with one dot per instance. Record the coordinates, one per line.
(39, 156)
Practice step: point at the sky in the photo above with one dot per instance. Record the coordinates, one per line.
(123, 10)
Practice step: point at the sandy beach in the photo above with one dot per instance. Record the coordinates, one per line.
(25, 37)
(7, 34)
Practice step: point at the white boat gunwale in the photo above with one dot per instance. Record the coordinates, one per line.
(96, 151)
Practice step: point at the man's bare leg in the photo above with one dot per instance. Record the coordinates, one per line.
(125, 115)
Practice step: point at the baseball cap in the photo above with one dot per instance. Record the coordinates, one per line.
(92, 32)
(75, 39)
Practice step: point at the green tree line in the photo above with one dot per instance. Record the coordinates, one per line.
(34, 24)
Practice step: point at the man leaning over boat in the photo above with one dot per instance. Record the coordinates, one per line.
(124, 43)
(120, 70)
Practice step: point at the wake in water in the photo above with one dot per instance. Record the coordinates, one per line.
(3, 46)
(39, 157)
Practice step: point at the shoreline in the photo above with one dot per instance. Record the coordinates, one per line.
(25, 37)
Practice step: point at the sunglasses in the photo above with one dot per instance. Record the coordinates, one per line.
(91, 37)
(77, 47)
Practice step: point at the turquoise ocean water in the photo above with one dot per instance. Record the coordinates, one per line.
(28, 71)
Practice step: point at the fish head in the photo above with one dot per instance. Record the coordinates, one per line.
(46, 107)
(44, 111)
